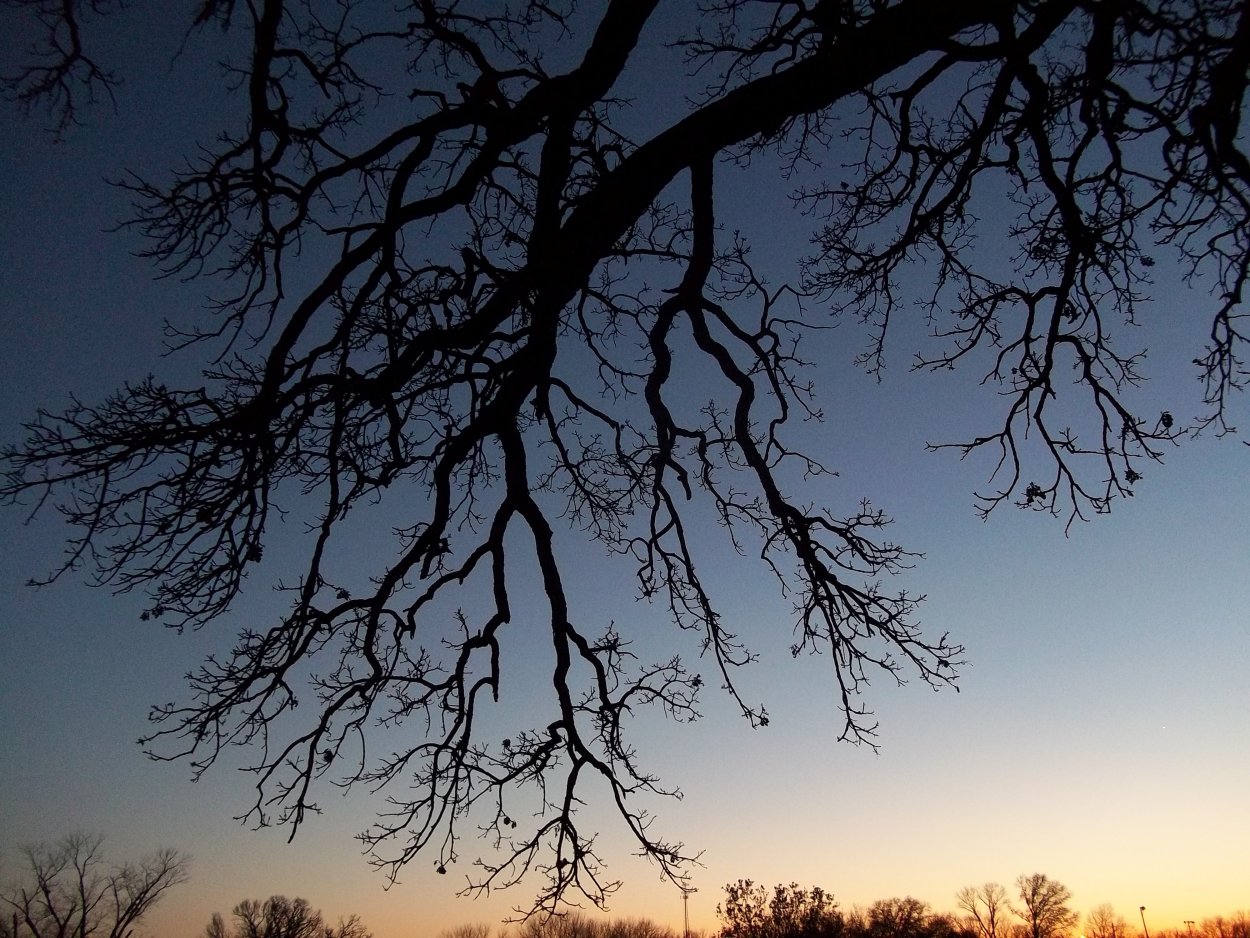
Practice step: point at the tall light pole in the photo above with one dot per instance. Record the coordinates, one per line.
(1189, 923)
(685, 908)
(1142, 909)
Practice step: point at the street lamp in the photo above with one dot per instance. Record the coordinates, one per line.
(685, 907)
(1142, 909)
(1189, 923)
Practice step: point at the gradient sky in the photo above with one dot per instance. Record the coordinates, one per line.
(1101, 735)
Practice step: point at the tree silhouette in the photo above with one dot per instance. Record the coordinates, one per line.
(751, 911)
(1045, 910)
(899, 917)
(985, 907)
(466, 283)
(577, 925)
(68, 889)
(1236, 925)
(280, 917)
(1102, 922)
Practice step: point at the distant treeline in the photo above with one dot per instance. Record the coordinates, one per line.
(1040, 908)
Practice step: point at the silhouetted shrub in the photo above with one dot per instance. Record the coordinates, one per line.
(749, 911)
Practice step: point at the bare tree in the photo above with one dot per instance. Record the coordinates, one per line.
(1102, 922)
(900, 917)
(1044, 906)
(217, 927)
(472, 930)
(636, 928)
(986, 907)
(508, 305)
(575, 925)
(68, 889)
(280, 917)
(1236, 925)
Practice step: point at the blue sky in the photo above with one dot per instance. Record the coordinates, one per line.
(1101, 734)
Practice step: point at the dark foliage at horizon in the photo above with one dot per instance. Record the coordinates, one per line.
(456, 288)
(1041, 907)
(750, 910)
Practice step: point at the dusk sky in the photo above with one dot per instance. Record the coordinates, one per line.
(1101, 733)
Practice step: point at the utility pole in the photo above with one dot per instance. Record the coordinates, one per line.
(1142, 909)
(1189, 922)
(685, 908)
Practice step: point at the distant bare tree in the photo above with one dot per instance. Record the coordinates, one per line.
(69, 890)
(1102, 922)
(572, 925)
(946, 925)
(280, 917)
(472, 930)
(900, 917)
(1044, 906)
(217, 927)
(465, 287)
(986, 907)
(1236, 925)
(577, 925)
(635, 928)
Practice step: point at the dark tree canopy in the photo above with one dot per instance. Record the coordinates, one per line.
(751, 911)
(462, 283)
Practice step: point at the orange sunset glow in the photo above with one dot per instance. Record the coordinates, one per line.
(625, 469)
